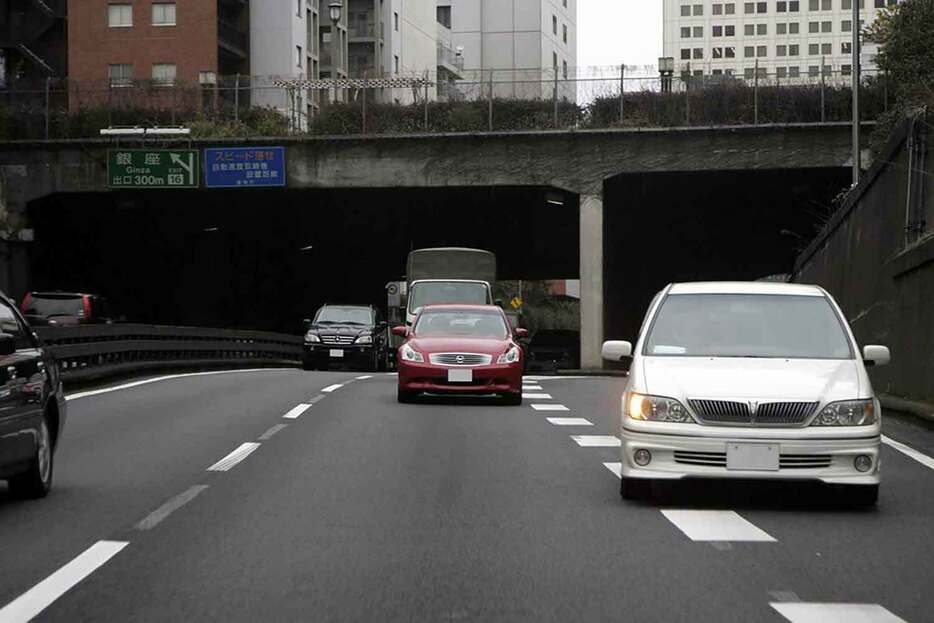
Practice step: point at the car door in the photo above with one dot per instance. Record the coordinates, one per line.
(22, 378)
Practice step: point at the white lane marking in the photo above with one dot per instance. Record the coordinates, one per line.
(909, 452)
(546, 407)
(153, 519)
(715, 526)
(835, 613)
(616, 468)
(536, 396)
(272, 431)
(363, 378)
(158, 379)
(555, 377)
(332, 388)
(296, 412)
(569, 421)
(234, 457)
(596, 441)
(41, 596)
(532, 388)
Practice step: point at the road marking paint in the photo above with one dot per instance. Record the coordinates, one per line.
(835, 613)
(909, 452)
(363, 378)
(532, 388)
(296, 412)
(41, 596)
(596, 441)
(332, 388)
(616, 468)
(154, 518)
(272, 431)
(536, 396)
(569, 421)
(234, 457)
(158, 379)
(547, 407)
(715, 526)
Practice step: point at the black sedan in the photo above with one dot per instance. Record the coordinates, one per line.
(346, 336)
(32, 406)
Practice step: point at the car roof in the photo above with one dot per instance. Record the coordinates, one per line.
(349, 306)
(461, 307)
(746, 287)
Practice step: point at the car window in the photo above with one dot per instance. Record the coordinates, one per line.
(344, 315)
(10, 324)
(455, 323)
(747, 325)
(55, 306)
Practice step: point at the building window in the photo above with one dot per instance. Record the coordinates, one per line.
(119, 15)
(781, 7)
(564, 68)
(793, 28)
(781, 72)
(762, 29)
(749, 73)
(749, 51)
(554, 25)
(813, 70)
(729, 9)
(749, 7)
(846, 70)
(826, 49)
(813, 5)
(846, 47)
(698, 32)
(163, 14)
(718, 52)
(564, 32)
(686, 10)
(794, 6)
(730, 31)
(781, 50)
(698, 53)
(794, 72)
(848, 4)
(444, 16)
(762, 7)
(298, 8)
(298, 49)
(749, 30)
(554, 60)
(846, 25)
(121, 75)
(762, 50)
(395, 22)
(813, 27)
(718, 9)
(781, 29)
(793, 50)
(717, 31)
(826, 5)
(729, 52)
(813, 49)
(565, 3)
(395, 63)
(685, 32)
(826, 26)
(698, 9)
(163, 74)
(685, 54)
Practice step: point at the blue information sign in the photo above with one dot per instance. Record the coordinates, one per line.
(239, 167)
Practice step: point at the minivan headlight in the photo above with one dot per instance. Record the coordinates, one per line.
(656, 409)
(847, 413)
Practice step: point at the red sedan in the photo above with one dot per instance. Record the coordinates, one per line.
(460, 350)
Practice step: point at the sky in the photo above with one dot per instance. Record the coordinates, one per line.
(610, 32)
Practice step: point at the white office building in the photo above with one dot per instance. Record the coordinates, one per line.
(780, 38)
(523, 42)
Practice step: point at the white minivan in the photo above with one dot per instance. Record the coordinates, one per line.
(749, 380)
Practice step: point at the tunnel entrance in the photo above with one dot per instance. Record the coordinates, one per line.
(661, 228)
(265, 259)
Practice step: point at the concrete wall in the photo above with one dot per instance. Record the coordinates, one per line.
(876, 256)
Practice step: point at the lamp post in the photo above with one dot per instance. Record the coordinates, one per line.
(855, 89)
(666, 69)
(334, 12)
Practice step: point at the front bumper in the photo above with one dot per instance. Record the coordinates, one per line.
(352, 353)
(491, 379)
(825, 460)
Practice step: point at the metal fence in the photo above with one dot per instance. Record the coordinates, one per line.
(472, 100)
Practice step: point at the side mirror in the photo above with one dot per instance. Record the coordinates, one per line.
(400, 331)
(307, 323)
(875, 355)
(7, 344)
(521, 333)
(616, 351)
(499, 303)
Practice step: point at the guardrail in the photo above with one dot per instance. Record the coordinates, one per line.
(91, 352)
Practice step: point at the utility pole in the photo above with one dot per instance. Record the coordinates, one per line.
(855, 88)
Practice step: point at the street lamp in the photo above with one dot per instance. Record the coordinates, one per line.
(666, 69)
(334, 12)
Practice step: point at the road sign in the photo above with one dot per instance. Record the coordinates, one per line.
(516, 302)
(152, 168)
(238, 167)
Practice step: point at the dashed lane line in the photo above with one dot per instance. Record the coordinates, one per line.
(156, 517)
(159, 379)
(703, 525)
(909, 452)
(297, 411)
(549, 407)
(803, 612)
(39, 597)
(596, 441)
(532, 388)
(332, 388)
(569, 421)
(232, 459)
(363, 378)
(272, 431)
(530, 396)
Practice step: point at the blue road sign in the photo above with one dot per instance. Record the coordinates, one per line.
(244, 167)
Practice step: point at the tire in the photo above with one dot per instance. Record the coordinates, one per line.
(635, 488)
(512, 399)
(36, 482)
(861, 496)
(405, 397)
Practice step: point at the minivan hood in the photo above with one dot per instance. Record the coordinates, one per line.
(818, 380)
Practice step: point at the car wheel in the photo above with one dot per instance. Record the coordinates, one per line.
(405, 397)
(37, 480)
(513, 399)
(861, 496)
(635, 488)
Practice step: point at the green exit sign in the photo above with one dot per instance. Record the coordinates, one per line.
(152, 168)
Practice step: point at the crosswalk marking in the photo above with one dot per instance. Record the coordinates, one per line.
(569, 421)
(802, 612)
(700, 525)
(596, 441)
(532, 388)
(549, 407)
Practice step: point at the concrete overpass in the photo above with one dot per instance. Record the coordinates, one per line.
(579, 162)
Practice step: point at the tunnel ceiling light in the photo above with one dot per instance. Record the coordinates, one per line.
(211, 229)
(308, 248)
(123, 131)
(554, 198)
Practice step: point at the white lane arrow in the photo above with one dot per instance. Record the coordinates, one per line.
(176, 159)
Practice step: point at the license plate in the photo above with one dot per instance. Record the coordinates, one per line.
(460, 376)
(752, 456)
(337, 353)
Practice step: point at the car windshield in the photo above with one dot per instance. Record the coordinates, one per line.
(344, 315)
(461, 323)
(434, 293)
(747, 325)
(55, 306)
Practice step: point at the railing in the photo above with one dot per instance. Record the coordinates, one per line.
(97, 351)
(367, 31)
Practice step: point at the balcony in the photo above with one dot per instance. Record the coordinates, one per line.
(362, 30)
(450, 60)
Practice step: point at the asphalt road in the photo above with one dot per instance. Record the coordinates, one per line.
(360, 509)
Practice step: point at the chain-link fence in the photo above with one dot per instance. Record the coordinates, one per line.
(470, 100)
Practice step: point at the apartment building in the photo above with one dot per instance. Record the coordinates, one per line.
(780, 38)
(523, 42)
(32, 42)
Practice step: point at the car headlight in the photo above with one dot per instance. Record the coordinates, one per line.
(655, 409)
(847, 413)
(312, 337)
(410, 354)
(364, 339)
(510, 356)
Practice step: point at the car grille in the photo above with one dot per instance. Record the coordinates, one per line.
(785, 461)
(337, 339)
(765, 414)
(460, 359)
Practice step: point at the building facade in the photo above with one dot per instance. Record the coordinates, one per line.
(523, 42)
(32, 42)
(779, 38)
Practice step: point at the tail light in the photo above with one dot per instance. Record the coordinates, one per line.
(26, 301)
(86, 300)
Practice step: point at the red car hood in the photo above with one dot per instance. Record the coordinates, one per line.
(429, 345)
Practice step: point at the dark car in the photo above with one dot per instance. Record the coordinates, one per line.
(66, 308)
(554, 349)
(345, 335)
(32, 406)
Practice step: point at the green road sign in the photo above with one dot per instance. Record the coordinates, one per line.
(152, 168)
